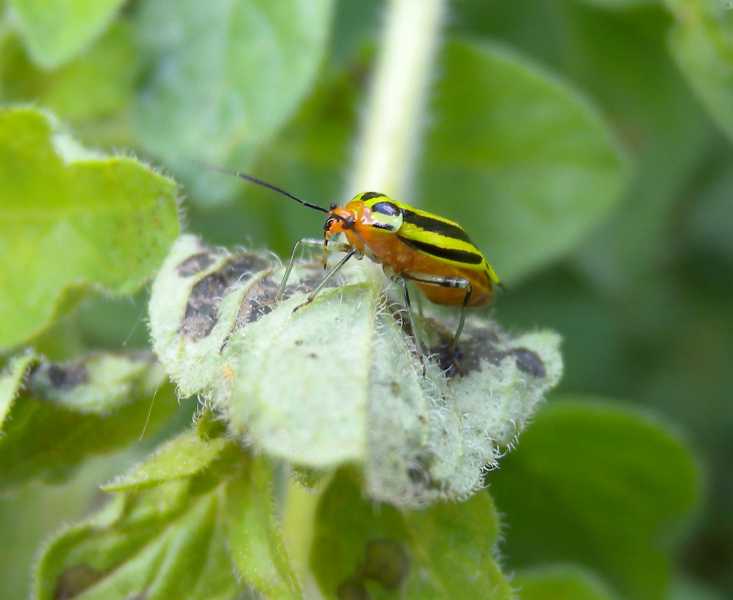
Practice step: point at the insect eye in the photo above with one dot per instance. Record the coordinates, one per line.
(386, 208)
(332, 206)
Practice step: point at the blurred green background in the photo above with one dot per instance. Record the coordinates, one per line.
(612, 225)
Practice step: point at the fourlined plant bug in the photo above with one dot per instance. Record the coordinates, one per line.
(411, 245)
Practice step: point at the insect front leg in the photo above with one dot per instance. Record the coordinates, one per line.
(331, 273)
(447, 282)
(311, 243)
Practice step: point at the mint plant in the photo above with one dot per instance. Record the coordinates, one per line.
(226, 446)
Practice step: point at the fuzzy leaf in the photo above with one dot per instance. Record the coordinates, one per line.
(560, 582)
(527, 159)
(57, 30)
(253, 535)
(224, 78)
(601, 486)
(702, 43)
(204, 533)
(182, 457)
(72, 219)
(64, 413)
(339, 381)
(445, 551)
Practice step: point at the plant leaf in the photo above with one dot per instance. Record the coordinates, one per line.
(66, 412)
(206, 530)
(702, 43)
(560, 582)
(57, 30)
(441, 552)
(72, 219)
(254, 536)
(82, 90)
(182, 457)
(601, 486)
(529, 162)
(224, 78)
(288, 383)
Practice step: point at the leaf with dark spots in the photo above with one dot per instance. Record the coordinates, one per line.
(202, 309)
(262, 365)
(53, 416)
(180, 527)
(444, 551)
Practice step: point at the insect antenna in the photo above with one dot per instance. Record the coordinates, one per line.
(265, 184)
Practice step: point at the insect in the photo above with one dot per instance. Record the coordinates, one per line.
(411, 245)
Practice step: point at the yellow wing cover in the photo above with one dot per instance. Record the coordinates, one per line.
(439, 237)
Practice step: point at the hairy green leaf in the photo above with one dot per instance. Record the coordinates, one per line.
(601, 486)
(560, 582)
(52, 416)
(224, 77)
(528, 162)
(57, 30)
(72, 219)
(182, 457)
(445, 551)
(339, 380)
(203, 532)
(702, 43)
(254, 537)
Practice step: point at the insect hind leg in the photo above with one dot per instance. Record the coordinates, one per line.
(447, 282)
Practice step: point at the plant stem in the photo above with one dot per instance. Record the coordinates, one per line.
(393, 118)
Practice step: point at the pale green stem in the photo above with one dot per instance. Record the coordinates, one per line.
(385, 153)
(393, 119)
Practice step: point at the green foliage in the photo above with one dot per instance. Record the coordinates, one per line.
(702, 43)
(197, 534)
(559, 583)
(585, 146)
(531, 160)
(445, 551)
(57, 30)
(601, 486)
(113, 216)
(53, 416)
(58, 89)
(206, 79)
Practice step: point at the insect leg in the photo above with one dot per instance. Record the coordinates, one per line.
(328, 276)
(448, 282)
(408, 307)
(311, 242)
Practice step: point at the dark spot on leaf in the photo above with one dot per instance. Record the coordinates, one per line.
(60, 376)
(312, 355)
(484, 344)
(258, 302)
(298, 342)
(195, 264)
(394, 386)
(202, 309)
(352, 589)
(386, 562)
(74, 580)
(529, 362)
